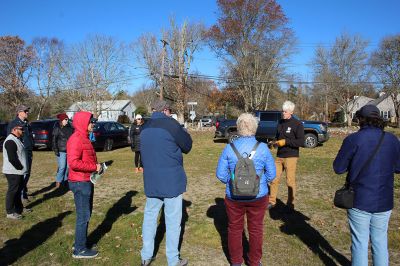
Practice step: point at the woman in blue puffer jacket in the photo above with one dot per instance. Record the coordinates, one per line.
(254, 208)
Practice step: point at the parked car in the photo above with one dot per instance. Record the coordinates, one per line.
(207, 121)
(315, 132)
(109, 135)
(3, 134)
(42, 131)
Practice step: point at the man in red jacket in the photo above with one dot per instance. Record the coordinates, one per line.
(82, 162)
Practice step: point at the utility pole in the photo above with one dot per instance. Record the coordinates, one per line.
(165, 43)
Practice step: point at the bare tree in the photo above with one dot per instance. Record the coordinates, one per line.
(15, 70)
(144, 97)
(46, 70)
(386, 62)
(173, 55)
(95, 70)
(343, 70)
(253, 38)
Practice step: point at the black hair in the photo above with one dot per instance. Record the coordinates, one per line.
(372, 121)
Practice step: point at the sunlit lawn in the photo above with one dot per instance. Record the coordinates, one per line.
(316, 234)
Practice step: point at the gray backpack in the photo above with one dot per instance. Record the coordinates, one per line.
(244, 181)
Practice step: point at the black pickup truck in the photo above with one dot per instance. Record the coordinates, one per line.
(315, 132)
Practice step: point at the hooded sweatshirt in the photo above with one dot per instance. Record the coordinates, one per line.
(81, 156)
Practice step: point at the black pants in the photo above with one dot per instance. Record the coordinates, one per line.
(13, 197)
(138, 159)
(29, 157)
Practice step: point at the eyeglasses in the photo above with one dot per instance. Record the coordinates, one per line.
(26, 111)
(138, 118)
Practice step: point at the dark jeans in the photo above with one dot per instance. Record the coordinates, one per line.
(13, 197)
(83, 197)
(138, 159)
(29, 156)
(255, 211)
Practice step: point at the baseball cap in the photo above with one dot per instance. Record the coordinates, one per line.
(368, 111)
(21, 108)
(160, 105)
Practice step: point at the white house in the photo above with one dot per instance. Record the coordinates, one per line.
(383, 102)
(108, 110)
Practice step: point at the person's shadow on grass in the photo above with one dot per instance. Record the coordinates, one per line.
(295, 223)
(43, 190)
(55, 193)
(30, 239)
(161, 229)
(218, 213)
(122, 206)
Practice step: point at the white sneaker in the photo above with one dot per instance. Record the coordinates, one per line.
(14, 216)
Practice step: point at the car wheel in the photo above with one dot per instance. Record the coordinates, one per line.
(233, 136)
(310, 140)
(108, 144)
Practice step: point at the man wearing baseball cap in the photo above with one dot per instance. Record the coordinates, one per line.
(162, 142)
(27, 139)
(14, 168)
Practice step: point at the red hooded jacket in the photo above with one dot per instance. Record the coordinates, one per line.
(81, 156)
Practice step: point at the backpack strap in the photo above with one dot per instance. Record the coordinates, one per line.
(253, 151)
(236, 151)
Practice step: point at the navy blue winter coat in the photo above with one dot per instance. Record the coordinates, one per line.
(162, 141)
(374, 185)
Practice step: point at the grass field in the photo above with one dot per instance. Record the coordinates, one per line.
(316, 234)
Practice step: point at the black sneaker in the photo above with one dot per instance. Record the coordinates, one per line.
(85, 254)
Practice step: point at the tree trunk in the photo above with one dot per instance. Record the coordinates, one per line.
(348, 116)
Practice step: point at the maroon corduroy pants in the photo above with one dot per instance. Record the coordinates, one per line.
(254, 211)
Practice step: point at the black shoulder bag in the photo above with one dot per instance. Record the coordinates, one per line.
(344, 197)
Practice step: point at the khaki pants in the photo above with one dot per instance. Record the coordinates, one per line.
(289, 165)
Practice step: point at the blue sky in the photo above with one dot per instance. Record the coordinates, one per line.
(313, 21)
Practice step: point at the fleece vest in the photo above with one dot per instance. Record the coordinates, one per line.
(8, 168)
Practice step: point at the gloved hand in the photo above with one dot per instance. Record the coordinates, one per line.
(57, 153)
(271, 144)
(281, 142)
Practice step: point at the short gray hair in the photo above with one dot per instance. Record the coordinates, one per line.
(247, 124)
(288, 106)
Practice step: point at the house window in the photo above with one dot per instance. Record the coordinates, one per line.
(385, 114)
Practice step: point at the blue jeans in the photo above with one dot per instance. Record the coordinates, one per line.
(62, 171)
(363, 226)
(173, 218)
(83, 197)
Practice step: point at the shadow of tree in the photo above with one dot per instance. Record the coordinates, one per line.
(55, 193)
(122, 206)
(295, 223)
(30, 239)
(218, 213)
(43, 190)
(161, 229)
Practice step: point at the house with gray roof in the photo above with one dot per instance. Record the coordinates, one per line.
(384, 103)
(105, 110)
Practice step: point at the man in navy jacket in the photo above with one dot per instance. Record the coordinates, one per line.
(162, 142)
(372, 184)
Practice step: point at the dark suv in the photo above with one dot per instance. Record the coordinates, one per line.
(110, 134)
(42, 131)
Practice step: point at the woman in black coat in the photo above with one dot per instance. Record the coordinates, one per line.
(61, 133)
(135, 141)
